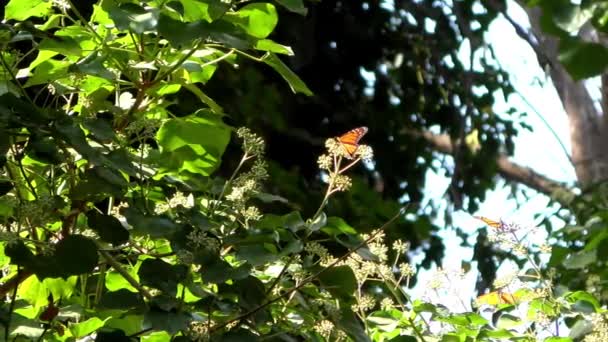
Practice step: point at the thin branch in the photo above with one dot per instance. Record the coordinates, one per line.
(508, 169)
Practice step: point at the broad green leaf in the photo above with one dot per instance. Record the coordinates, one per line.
(350, 324)
(257, 19)
(251, 292)
(557, 339)
(582, 59)
(5, 186)
(583, 302)
(270, 46)
(580, 260)
(22, 9)
(48, 71)
(296, 6)
(154, 226)
(122, 299)
(171, 322)
(340, 281)
(65, 46)
(133, 17)
(295, 83)
(108, 228)
(581, 328)
(209, 10)
(76, 254)
(162, 275)
(178, 33)
(112, 336)
(506, 321)
(61, 288)
(194, 144)
(157, 336)
(256, 255)
(320, 221)
(87, 327)
(101, 129)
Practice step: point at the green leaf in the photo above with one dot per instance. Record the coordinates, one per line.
(506, 321)
(48, 71)
(270, 46)
(45, 150)
(194, 144)
(295, 83)
(319, 222)
(349, 323)
(66, 46)
(5, 186)
(122, 299)
(256, 255)
(583, 302)
(87, 327)
(340, 281)
(258, 19)
(403, 338)
(557, 339)
(580, 328)
(133, 17)
(194, 10)
(108, 228)
(220, 271)
(583, 59)
(157, 336)
(112, 336)
(296, 6)
(154, 226)
(580, 260)
(76, 254)
(20, 10)
(172, 322)
(100, 129)
(251, 292)
(178, 33)
(162, 275)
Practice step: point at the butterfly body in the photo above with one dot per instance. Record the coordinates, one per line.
(490, 222)
(350, 140)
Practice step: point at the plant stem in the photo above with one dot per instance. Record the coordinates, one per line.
(118, 267)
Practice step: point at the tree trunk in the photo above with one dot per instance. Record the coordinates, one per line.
(588, 127)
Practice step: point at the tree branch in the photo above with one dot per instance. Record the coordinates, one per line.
(507, 169)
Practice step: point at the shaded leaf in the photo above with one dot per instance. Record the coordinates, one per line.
(108, 228)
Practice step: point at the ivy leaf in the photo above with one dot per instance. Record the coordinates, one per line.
(133, 17)
(340, 281)
(349, 323)
(22, 9)
(172, 322)
(122, 299)
(295, 83)
(573, 51)
(5, 186)
(258, 19)
(112, 336)
(87, 327)
(154, 226)
(194, 144)
(108, 228)
(296, 6)
(76, 254)
(162, 275)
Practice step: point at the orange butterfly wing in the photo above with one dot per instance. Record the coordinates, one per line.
(350, 140)
(491, 223)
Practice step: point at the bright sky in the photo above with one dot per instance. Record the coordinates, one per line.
(539, 150)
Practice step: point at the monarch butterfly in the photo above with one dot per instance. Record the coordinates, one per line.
(350, 140)
(489, 222)
(498, 297)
